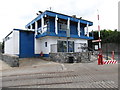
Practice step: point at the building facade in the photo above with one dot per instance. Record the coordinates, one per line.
(49, 32)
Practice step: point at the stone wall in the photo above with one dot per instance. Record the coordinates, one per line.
(63, 57)
(12, 60)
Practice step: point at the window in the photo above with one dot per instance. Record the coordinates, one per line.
(62, 25)
(62, 46)
(45, 44)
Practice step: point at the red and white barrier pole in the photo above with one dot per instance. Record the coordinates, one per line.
(100, 57)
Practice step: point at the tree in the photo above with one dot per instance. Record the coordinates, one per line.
(108, 36)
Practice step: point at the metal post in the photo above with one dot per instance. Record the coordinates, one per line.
(100, 59)
(106, 51)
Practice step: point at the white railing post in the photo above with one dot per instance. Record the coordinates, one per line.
(42, 23)
(56, 26)
(68, 27)
(87, 29)
(31, 26)
(36, 27)
(79, 28)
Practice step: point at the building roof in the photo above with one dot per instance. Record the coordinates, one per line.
(62, 16)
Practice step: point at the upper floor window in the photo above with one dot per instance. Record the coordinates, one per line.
(62, 25)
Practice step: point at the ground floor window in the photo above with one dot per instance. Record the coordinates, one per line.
(62, 46)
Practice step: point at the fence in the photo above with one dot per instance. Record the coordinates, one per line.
(107, 49)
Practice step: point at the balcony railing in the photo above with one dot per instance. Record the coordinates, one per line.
(40, 31)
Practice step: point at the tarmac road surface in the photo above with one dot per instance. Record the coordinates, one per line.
(57, 75)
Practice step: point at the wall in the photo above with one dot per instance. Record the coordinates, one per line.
(12, 45)
(41, 44)
(53, 40)
(37, 44)
(52, 25)
(11, 60)
(63, 57)
(78, 46)
(26, 44)
(16, 42)
(73, 28)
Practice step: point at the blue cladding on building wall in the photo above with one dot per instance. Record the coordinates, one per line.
(82, 31)
(73, 28)
(52, 24)
(26, 44)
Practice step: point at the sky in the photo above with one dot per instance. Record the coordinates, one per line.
(17, 13)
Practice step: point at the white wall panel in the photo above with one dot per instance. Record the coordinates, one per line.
(12, 45)
(16, 42)
(40, 43)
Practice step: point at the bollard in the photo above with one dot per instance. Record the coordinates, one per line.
(100, 59)
(113, 55)
(41, 54)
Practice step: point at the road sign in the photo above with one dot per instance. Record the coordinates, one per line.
(96, 40)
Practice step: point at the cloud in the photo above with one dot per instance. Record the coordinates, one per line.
(17, 13)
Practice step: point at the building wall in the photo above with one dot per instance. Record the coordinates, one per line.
(52, 25)
(78, 45)
(73, 28)
(53, 40)
(41, 44)
(26, 44)
(16, 42)
(12, 44)
(37, 47)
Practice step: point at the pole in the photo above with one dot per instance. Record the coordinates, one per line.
(99, 32)
(106, 51)
(100, 57)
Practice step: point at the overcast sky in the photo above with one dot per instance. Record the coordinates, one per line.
(17, 13)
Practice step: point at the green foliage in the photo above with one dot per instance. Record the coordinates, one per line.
(108, 36)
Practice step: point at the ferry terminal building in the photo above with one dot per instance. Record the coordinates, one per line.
(49, 32)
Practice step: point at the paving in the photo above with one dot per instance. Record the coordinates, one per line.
(46, 74)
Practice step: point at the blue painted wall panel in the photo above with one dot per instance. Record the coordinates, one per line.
(82, 33)
(73, 28)
(26, 44)
(52, 25)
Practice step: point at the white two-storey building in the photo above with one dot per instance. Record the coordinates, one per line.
(48, 32)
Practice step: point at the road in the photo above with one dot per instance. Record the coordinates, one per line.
(56, 75)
